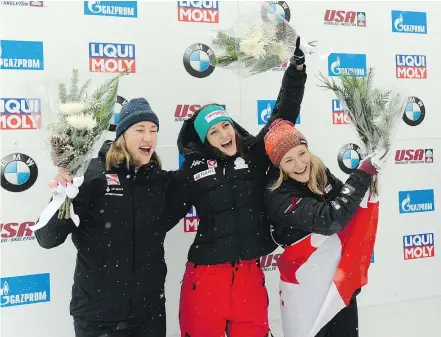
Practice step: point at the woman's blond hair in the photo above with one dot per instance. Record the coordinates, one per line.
(317, 176)
(118, 153)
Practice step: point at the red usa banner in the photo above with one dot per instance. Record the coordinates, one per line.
(319, 274)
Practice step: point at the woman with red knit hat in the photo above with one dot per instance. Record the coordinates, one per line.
(304, 197)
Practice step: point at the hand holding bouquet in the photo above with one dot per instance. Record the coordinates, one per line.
(72, 137)
(373, 112)
(263, 39)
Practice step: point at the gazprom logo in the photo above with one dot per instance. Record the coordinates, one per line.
(349, 64)
(128, 9)
(409, 22)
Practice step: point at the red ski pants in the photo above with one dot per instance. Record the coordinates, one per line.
(226, 298)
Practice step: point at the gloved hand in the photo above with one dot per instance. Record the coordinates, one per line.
(299, 56)
(374, 162)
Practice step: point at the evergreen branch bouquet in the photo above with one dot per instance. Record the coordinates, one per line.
(80, 123)
(261, 40)
(374, 113)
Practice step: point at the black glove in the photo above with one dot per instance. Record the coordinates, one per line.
(299, 56)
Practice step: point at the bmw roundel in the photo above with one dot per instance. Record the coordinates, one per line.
(414, 112)
(276, 12)
(349, 158)
(18, 172)
(198, 60)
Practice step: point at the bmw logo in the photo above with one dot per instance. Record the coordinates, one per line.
(198, 60)
(414, 112)
(121, 101)
(349, 157)
(276, 12)
(18, 172)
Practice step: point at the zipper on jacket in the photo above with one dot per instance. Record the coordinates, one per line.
(134, 240)
(239, 250)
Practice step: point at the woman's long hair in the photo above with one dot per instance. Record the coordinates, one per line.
(118, 154)
(317, 176)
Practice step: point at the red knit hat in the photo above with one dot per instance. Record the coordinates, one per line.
(282, 137)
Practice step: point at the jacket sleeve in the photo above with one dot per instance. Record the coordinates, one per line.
(56, 230)
(288, 102)
(178, 198)
(291, 213)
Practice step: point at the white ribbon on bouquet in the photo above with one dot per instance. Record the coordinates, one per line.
(59, 196)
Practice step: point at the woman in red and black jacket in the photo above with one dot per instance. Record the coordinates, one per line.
(224, 177)
(304, 197)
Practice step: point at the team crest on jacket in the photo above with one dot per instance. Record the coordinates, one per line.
(112, 179)
(212, 163)
(239, 164)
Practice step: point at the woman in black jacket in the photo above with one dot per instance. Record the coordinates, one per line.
(223, 176)
(120, 271)
(304, 197)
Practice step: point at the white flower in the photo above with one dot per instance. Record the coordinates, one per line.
(253, 47)
(255, 33)
(71, 108)
(81, 122)
(279, 50)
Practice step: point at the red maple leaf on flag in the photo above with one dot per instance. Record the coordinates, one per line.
(292, 259)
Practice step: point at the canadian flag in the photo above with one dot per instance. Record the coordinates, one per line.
(319, 274)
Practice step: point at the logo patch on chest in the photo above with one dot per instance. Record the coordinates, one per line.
(115, 191)
(239, 164)
(112, 179)
(328, 188)
(212, 163)
(196, 163)
(211, 171)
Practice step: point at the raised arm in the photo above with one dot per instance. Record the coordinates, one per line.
(290, 213)
(290, 95)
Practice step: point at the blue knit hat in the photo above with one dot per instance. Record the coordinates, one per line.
(135, 111)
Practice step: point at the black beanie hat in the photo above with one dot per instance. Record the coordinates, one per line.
(135, 111)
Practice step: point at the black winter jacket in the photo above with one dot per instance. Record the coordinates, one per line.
(228, 193)
(295, 211)
(120, 270)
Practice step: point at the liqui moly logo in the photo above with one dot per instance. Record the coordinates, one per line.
(414, 156)
(411, 66)
(111, 57)
(418, 246)
(191, 221)
(198, 11)
(338, 114)
(19, 113)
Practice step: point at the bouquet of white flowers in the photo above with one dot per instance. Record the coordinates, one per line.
(71, 138)
(374, 113)
(261, 40)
